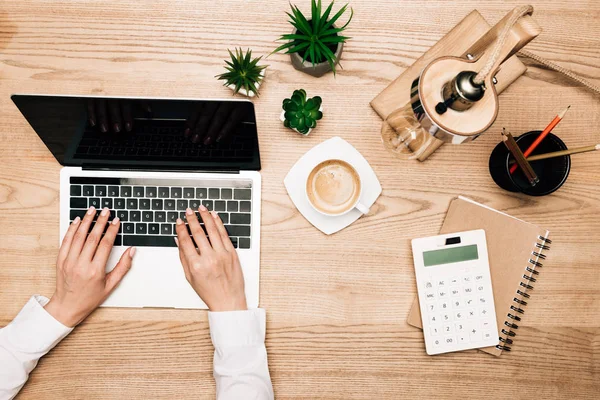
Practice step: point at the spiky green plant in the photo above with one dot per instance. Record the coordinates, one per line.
(300, 113)
(313, 37)
(243, 71)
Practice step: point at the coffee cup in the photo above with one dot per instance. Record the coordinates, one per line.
(334, 188)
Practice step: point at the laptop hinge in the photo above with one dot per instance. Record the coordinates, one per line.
(99, 167)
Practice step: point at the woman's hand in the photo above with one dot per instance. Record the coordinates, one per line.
(81, 281)
(213, 269)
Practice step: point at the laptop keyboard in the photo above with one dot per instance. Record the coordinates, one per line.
(149, 208)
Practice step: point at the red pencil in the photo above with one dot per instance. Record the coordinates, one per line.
(539, 139)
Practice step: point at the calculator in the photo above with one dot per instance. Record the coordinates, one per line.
(455, 292)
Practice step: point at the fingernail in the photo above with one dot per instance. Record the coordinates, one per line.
(104, 212)
(189, 211)
(92, 122)
(219, 138)
(132, 252)
(195, 139)
(76, 220)
(115, 221)
(187, 132)
(207, 140)
(176, 241)
(128, 126)
(202, 208)
(91, 210)
(117, 128)
(214, 214)
(103, 127)
(179, 221)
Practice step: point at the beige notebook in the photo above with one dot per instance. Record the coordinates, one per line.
(515, 250)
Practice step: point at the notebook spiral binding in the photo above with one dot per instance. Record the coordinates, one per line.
(508, 330)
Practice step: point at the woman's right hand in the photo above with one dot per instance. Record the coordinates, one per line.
(214, 269)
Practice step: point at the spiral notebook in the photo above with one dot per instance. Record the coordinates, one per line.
(516, 249)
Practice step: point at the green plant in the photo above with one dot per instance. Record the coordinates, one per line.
(315, 38)
(243, 72)
(301, 113)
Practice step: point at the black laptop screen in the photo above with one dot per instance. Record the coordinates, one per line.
(145, 133)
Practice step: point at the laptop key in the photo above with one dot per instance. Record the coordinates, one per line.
(172, 216)
(132, 204)
(166, 229)
(234, 241)
(160, 216)
(239, 219)
(75, 190)
(157, 204)
(120, 204)
(242, 194)
(224, 217)
(176, 193)
(146, 240)
(244, 243)
(169, 204)
(100, 191)
(238, 230)
(163, 192)
(144, 204)
(188, 193)
(220, 205)
(78, 202)
(113, 191)
(138, 191)
(77, 213)
(214, 193)
(151, 192)
(107, 202)
(232, 205)
(128, 228)
(94, 202)
(123, 215)
(153, 229)
(147, 216)
(208, 204)
(201, 193)
(88, 190)
(194, 204)
(245, 206)
(226, 194)
(182, 204)
(141, 228)
(125, 191)
(135, 216)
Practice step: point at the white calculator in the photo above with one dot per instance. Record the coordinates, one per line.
(455, 292)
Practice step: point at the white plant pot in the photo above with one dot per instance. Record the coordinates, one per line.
(244, 91)
(282, 118)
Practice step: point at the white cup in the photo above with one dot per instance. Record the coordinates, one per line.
(355, 205)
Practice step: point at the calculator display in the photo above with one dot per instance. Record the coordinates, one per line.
(451, 255)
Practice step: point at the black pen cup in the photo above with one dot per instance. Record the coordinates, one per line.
(552, 172)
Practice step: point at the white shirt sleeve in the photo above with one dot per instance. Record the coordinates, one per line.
(24, 341)
(240, 361)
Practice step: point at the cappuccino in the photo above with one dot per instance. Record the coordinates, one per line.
(333, 187)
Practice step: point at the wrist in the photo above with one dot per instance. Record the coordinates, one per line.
(62, 313)
(235, 305)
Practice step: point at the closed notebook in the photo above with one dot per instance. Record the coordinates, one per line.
(516, 249)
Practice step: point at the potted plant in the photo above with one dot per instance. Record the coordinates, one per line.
(315, 45)
(301, 114)
(243, 75)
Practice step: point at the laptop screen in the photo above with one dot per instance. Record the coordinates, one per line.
(161, 134)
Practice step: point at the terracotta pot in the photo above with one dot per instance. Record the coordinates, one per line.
(319, 69)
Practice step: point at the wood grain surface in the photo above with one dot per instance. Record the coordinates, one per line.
(336, 305)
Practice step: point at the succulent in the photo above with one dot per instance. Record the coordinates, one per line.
(243, 72)
(301, 113)
(314, 38)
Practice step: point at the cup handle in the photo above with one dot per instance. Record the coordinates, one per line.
(362, 208)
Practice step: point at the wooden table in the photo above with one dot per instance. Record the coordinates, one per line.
(337, 304)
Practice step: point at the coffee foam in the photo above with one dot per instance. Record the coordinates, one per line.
(333, 187)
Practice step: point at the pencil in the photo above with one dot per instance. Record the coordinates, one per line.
(514, 149)
(561, 153)
(544, 133)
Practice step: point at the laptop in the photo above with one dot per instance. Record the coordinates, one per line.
(147, 160)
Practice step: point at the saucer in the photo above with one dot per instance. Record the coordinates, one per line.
(334, 148)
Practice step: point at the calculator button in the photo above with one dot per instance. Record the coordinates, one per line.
(446, 317)
(480, 288)
(454, 281)
(475, 334)
(488, 335)
(459, 315)
(455, 291)
(428, 285)
(435, 330)
(482, 301)
(457, 303)
(431, 307)
(448, 328)
(429, 296)
(434, 319)
(463, 338)
(484, 312)
(436, 342)
(441, 283)
(478, 278)
(470, 302)
(486, 325)
(443, 294)
(467, 290)
(450, 340)
(444, 306)
(460, 328)
(470, 313)
(466, 279)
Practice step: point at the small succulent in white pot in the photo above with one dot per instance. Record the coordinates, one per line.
(301, 114)
(243, 75)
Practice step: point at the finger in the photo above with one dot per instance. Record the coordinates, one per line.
(186, 245)
(211, 229)
(114, 277)
(231, 123)
(217, 123)
(190, 123)
(127, 115)
(107, 242)
(203, 122)
(115, 115)
(81, 234)
(91, 112)
(101, 115)
(67, 240)
(222, 232)
(91, 244)
(197, 231)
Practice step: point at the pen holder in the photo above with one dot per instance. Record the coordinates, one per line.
(552, 172)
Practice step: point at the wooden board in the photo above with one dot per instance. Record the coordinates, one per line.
(336, 305)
